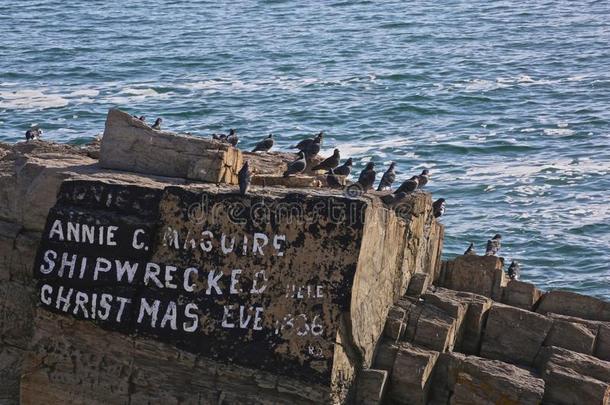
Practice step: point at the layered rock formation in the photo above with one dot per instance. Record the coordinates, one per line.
(463, 347)
(135, 280)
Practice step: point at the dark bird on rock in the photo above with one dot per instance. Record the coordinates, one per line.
(423, 178)
(332, 180)
(470, 251)
(408, 186)
(244, 177)
(142, 118)
(388, 178)
(314, 148)
(32, 134)
(513, 270)
(232, 137)
(493, 245)
(393, 198)
(157, 124)
(329, 163)
(306, 143)
(438, 207)
(219, 137)
(296, 167)
(264, 145)
(345, 169)
(367, 176)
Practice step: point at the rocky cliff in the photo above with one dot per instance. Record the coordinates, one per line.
(136, 273)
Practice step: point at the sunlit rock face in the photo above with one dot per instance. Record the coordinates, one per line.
(291, 285)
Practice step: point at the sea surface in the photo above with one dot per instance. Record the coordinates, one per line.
(506, 102)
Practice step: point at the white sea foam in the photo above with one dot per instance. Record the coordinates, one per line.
(30, 99)
(85, 93)
(40, 99)
(284, 83)
(480, 85)
(558, 131)
(130, 95)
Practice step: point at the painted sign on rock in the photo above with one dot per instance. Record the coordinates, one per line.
(259, 281)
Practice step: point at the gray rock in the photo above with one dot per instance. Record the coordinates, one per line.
(410, 380)
(576, 336)
(477, 306)
(385, 356)
(395, 325)
(602, 348)
(521, 294)
(477, 274)
(371, 387)
(418, 285)
(460, 379)
(573, 304)
(563, 386)
(130, 144)
(432, 328)
(514, 335)
(580, 363)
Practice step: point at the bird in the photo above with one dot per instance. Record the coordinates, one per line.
(296, 167)
(408, 186)
(314, 148)
(367, 176)
(244, 177)
(232, 137)
(306, 143)
(157, 124)
(513, 270)
(470, 251)
(329, 163)
(423, 178)
(332, 180)
(493, 245)
(264, 145)
(32, 134)
(393, 198)
(219, 137)
(142, 118)
(438, 207)
(388, 178)
(345, 169)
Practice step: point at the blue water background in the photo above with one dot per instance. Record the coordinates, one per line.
(506, 102)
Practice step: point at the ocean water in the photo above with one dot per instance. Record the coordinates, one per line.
(506, 102)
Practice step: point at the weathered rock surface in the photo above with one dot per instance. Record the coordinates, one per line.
(396, 323)
(514, 335)
(579, 363)
(418, 284)
(424, 240)
(131, 145)
(602, 347)
(411, 375)
(563, 386)
(371, 387)
(378, 341)
(478, 274)
(476, 307)
(378, 283)
(461, 379)
(521, 294)
(573, 304)
(572, 334)
(431, 327)
(96, 375)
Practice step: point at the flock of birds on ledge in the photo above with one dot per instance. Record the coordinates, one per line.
(308, 149)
